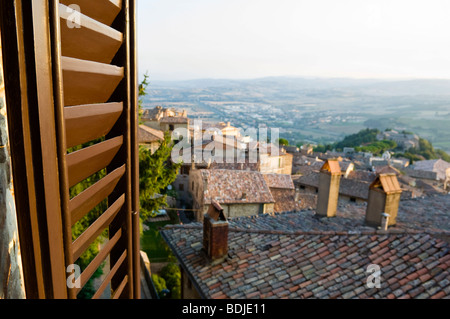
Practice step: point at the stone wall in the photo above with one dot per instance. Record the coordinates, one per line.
(421, 174)
(240, 210)
(11, 276)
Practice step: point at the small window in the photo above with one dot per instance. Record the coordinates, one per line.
(302, 187)
(171, 127)
(181, 187)
(353, 199)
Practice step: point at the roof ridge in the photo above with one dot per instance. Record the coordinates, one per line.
(321, 232)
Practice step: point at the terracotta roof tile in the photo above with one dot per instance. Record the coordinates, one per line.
(341, 273)
(147, 134)
(174, 120)
(230, 186)
(279, 181)
(301, 256)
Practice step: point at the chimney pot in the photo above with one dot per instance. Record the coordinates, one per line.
(215, 233)
(383, 202)
(329, 181)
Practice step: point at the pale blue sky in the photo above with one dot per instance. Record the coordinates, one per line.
(187, 39)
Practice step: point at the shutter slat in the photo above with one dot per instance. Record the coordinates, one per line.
(97, 261)
(121, 287)
(85, 239)
(90, 40)
(104, 11)
(82, 204)
(109, 277)
(85, 123)
(87, 82)
(87, 161)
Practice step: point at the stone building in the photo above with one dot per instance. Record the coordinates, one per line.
(165, 119)
(283, 191)
(403, 140)
(240, 193)
(430, 169)
(275, 160)
(150, 138)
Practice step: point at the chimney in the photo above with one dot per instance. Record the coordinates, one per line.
(329, 180)
(384, 198)
(215, 233)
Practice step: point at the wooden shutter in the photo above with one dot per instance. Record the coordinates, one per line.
(74, 85)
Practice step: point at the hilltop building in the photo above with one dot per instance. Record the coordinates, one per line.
(283, 191)
(403, 140)
(165, 119)
(430, 169)
(240, 193)
(150, 138)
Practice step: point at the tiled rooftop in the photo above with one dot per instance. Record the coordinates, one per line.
(298, 255)
(174, 120)
(236, 166)
(269, 264)
(349, 187)
(147, 134)
(235, 186)
(285, 200)
(279, 181)
(355, 185)
(422, 214)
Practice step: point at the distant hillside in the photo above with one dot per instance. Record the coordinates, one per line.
(355, 86)
(366, 141)
(314, 110)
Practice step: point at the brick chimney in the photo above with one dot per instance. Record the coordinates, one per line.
(215, 233)
(329, 180)
(384, 199)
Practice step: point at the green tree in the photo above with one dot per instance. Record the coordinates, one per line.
(142, 92)
(323, 148)
(363, 137)
(172, 275)
(378, 147)
(156, 172)
(283, 141)
(159, 283)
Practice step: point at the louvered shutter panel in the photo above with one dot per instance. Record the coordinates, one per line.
(96, 61)
(84, 88)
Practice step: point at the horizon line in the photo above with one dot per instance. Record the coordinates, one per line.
(308, 77)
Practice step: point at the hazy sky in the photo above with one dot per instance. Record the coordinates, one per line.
(187, 39)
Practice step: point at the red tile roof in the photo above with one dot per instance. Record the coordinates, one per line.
(277, 264)
(174, 120)
(229, 186)
(279, 181)
(147, 134)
